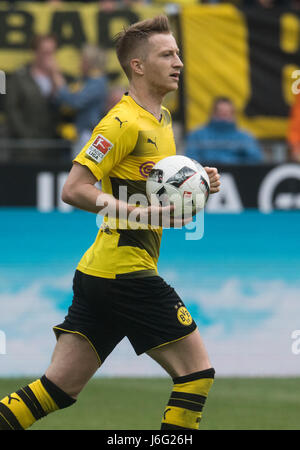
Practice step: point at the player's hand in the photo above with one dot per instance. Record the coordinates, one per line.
(155, 215)
(214, 179)
(163, 216)
(178, 222)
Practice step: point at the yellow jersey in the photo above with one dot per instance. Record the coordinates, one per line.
(122, 150)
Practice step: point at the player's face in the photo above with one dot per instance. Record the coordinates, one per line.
(162, 65)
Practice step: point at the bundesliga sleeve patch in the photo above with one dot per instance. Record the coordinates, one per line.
(99, 148)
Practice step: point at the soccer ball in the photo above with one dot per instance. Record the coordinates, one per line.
(181, 181)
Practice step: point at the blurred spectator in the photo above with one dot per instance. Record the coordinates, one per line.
(293, 132)
(30, 111)
(89, 100)
(220, 140)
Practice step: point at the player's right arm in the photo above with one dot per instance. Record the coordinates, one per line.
(80, 191)
(107, 147)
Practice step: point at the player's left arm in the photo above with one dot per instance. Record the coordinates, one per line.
(214, 179)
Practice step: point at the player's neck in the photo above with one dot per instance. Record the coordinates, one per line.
(152, 103)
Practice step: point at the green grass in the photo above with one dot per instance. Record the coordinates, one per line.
(137, 404)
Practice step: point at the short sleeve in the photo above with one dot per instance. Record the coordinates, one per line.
(111, 141)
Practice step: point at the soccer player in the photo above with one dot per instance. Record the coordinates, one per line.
(117, 289)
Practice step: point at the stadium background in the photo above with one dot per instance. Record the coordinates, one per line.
(241, 280)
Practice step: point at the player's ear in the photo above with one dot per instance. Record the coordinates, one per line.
(137, 66)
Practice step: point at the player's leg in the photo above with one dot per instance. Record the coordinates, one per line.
(159, 324)
(87, 336)
(187, 362)
(73, 363)
(182, 357)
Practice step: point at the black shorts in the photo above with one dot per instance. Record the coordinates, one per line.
(146, 310)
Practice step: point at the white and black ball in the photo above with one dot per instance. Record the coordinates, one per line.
(181, 181)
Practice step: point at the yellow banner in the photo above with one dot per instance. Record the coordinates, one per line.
(73, 23)
(248, 57)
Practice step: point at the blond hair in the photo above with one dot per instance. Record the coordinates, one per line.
(131, 41)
